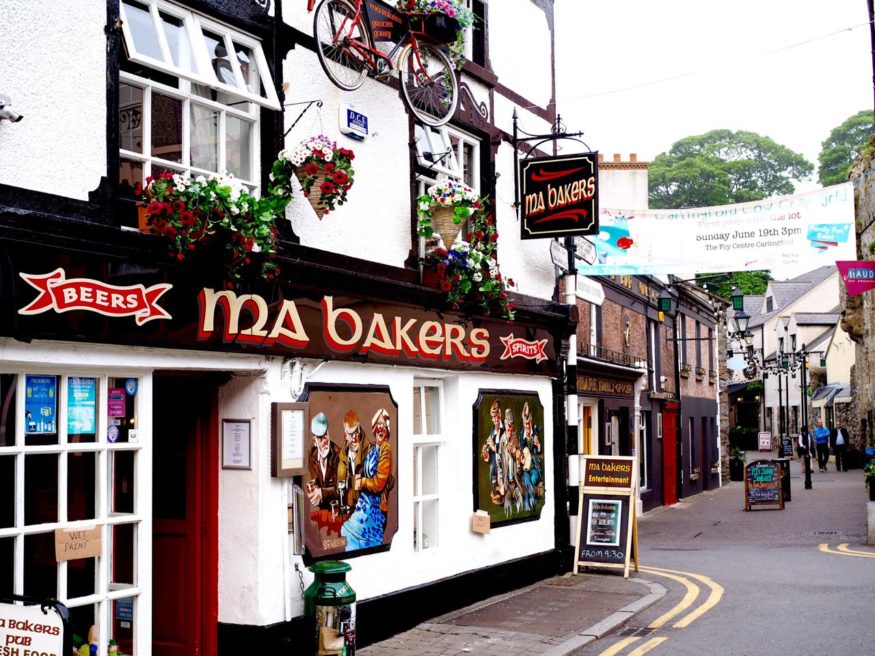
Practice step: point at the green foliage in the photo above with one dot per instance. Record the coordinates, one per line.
(751, 283)
(844, 144)
(869, 474)
(737, 454)
(723, 167)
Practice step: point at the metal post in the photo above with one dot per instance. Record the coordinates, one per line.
(804, 402)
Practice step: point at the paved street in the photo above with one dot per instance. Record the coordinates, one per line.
(734, 583)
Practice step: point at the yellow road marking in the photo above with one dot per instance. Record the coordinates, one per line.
(647, 646)
(686, 602)
(712, 600)
(620, 646)
(844, 552)
(851, 552)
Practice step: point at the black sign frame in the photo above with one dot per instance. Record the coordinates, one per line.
(766, 492)
(559, 196)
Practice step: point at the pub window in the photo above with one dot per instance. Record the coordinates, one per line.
(698, 344)
(428, 439)
(190, 95)
(693, 450)
(71, 459)
(682, 320)
(711, 364)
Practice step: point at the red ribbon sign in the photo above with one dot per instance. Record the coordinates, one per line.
(61, 295)
(523, 348)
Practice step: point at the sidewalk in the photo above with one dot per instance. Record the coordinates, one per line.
(554, 617)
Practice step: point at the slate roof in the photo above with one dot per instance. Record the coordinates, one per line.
(785, 292)
(817, 318)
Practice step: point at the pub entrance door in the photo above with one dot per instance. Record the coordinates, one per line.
(669, 456)
(185, 515)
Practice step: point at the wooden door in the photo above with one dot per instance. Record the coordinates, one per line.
(184, 517)
(669, 457)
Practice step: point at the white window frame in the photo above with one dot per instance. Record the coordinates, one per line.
(643, 482)
(106, 591)
(436, 440)
(194, 26)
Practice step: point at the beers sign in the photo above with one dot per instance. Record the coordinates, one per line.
(560, 196)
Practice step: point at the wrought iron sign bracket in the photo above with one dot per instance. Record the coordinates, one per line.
(309, 104)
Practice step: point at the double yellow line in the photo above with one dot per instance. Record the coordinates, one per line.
(686, 579)
(842, 550)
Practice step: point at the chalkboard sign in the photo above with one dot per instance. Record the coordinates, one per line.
(762, 484)
(603, 527)
(786, 446)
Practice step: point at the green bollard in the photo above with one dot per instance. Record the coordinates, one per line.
(330, 603)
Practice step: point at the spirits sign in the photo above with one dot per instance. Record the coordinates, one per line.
(560, 196)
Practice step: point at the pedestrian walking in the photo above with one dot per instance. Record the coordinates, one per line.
(821, 440)
(839, 439)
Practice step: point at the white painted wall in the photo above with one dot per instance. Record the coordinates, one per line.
(54, 70)
(841, 356)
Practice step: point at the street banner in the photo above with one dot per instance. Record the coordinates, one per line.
(811, 229)
(858, 275)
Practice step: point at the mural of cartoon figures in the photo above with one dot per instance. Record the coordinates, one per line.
(352, 458)
(365, 526)
(323, 463)
(531, 458)
(509, 448)
(492, 454)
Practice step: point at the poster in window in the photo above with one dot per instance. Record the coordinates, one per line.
(509, 449)
(351, 452)
(40, 404)
(81, 405)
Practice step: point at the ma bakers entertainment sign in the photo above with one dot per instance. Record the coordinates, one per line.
(559, 196)
(329, 326)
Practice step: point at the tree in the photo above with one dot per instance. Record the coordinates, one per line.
(843, 146)
(723, 167)
(751, 283)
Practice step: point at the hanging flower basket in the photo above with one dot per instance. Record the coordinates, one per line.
(442, 28)
(444, 21)
(445, 209)
(324, 171)
(191, 212)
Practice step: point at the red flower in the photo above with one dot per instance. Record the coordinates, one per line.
(446, 285)
(346, 153)
(138, 189)
(624, 243)
(327, 188)
(329, 167)
(311, 169)
(340, 177)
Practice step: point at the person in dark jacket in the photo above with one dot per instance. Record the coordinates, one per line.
(839, 439)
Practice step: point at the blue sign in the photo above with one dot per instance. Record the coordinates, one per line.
(81, 405)
(353, 123)
(830, 233)
(40, 404)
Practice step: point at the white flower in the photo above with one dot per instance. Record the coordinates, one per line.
(477, 277)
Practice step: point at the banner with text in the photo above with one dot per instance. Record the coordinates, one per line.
(815, 228)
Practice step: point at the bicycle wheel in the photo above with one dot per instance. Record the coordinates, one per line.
(428, 83)
(331, 28)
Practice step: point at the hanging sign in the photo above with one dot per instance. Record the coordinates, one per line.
(559, 196)
(607, 529)
(858, 275)
(30, 630)
(386, 23)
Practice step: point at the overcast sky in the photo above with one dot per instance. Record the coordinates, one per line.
(637, 75)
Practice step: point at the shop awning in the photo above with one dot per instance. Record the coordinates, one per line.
(831, 393)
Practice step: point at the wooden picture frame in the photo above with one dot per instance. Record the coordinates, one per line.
(290, 425)
(236, 444)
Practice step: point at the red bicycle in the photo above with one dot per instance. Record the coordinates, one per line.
(345, 48)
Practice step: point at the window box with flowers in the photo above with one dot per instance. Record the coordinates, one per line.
(445, 21)
(445, 209)
(190, 213)
(468, 273)
(324, 171)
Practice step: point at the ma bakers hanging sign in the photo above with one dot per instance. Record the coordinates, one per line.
(559, 196)
(288, 323)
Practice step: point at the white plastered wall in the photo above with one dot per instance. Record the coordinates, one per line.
(59, 147)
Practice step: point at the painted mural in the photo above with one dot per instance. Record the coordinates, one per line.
(350, 494)
(509, 445)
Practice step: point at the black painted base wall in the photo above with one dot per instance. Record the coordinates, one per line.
(382, 617)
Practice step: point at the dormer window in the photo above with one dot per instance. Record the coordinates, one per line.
(770, 304)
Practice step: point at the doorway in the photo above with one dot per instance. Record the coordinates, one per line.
(669, 457)
(185, 515)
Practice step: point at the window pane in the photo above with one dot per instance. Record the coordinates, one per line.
(130, 173)
(429, 524)
(122, 622)
(218, 55)
(81, 485)
(204, 138)
(249, 68)
(130, 115)
(7, 565)
(142, 29)
(121, 481)
(123, 549)
(81, 409)
(120, 404)
(40, 569)
(432, 410)
(429, 470)
(469, 166)
(41, 409)
(238, 147)
(7, 491)
(166, 127)
(81, 577)
(82, 618)
(417, 411)
(177, 41)
(40, 489)
(8, 383)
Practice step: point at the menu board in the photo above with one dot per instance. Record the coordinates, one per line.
(603, 526)
(762, 484)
